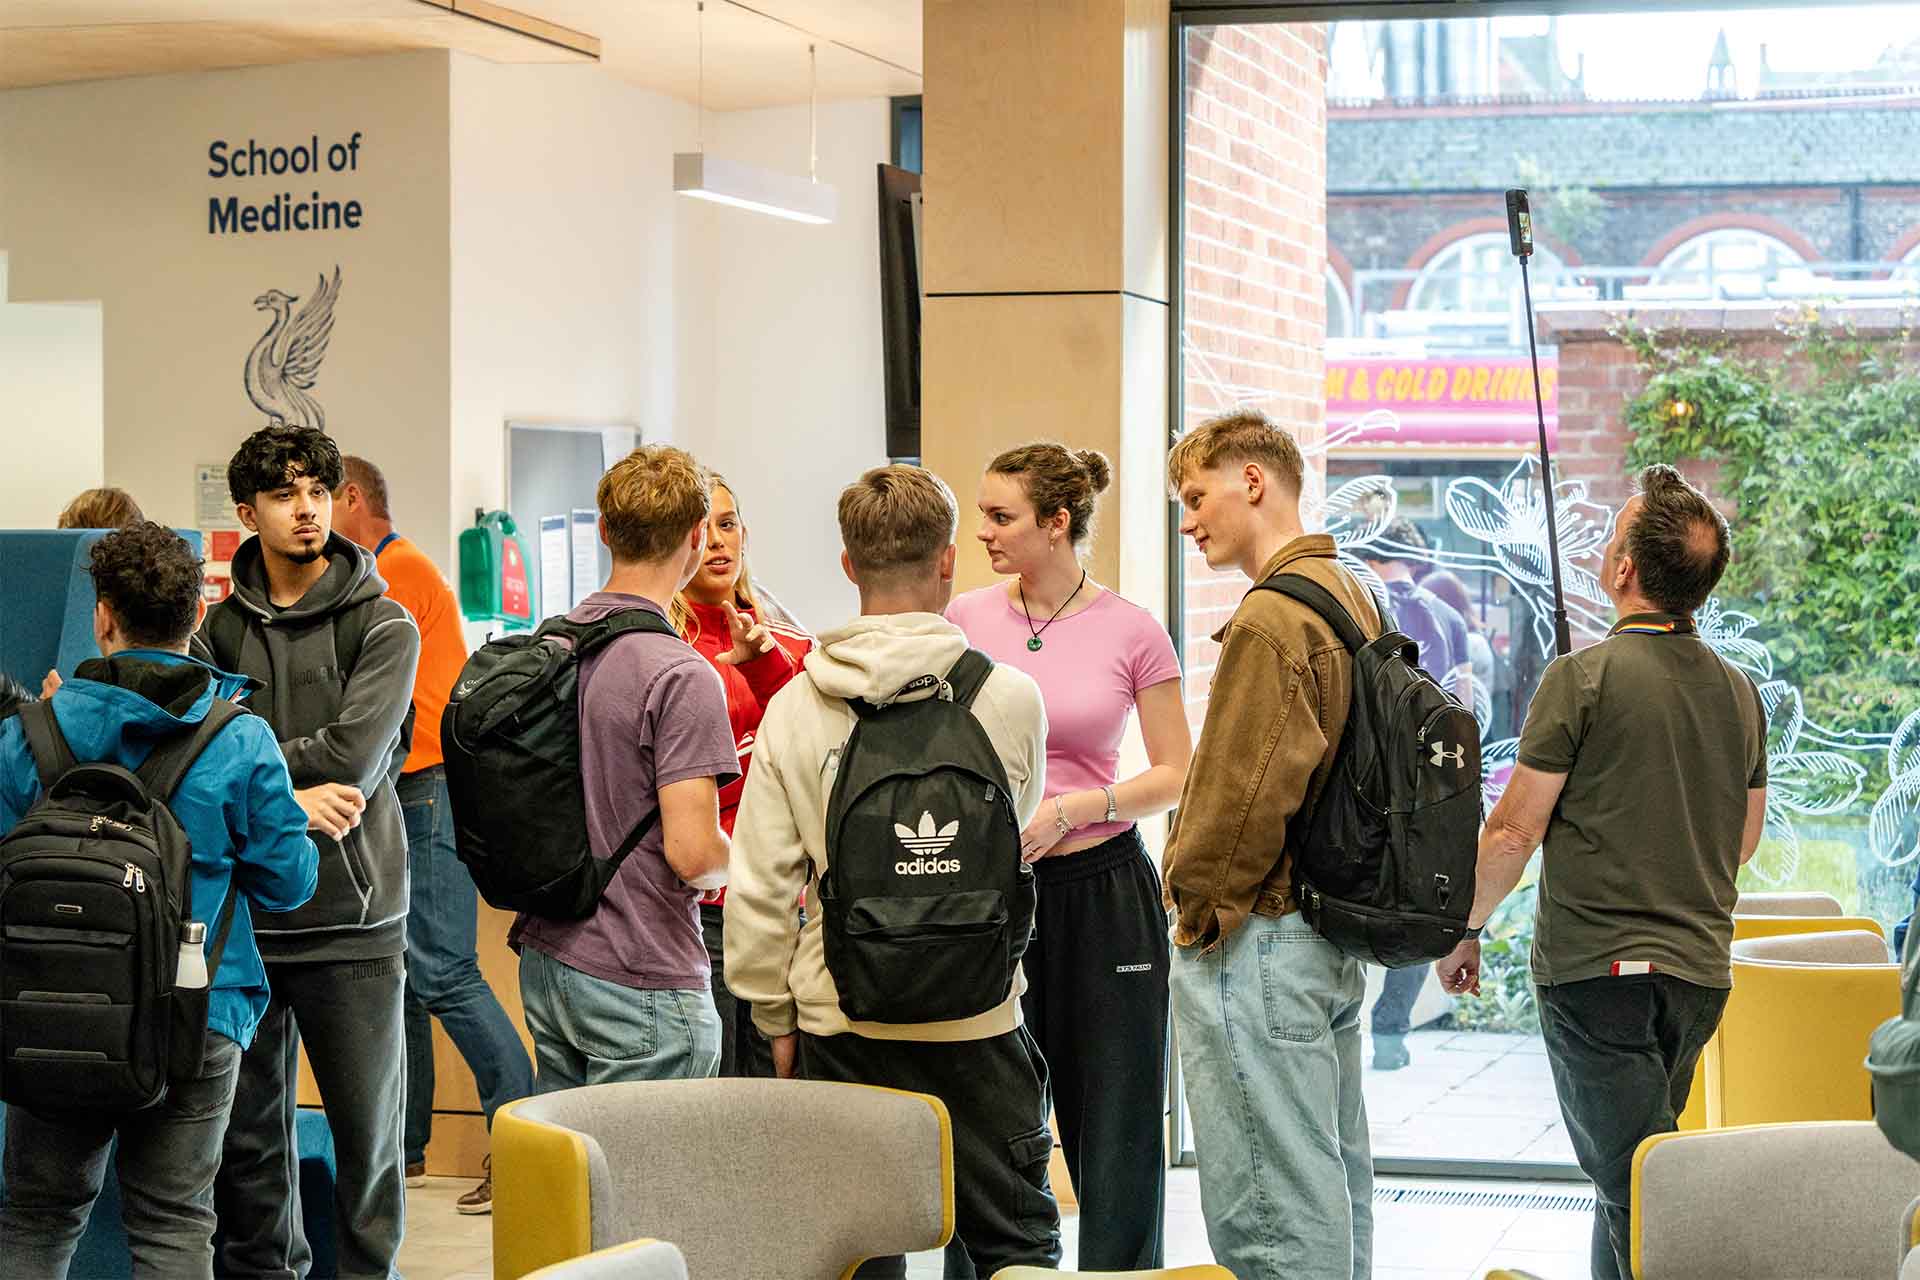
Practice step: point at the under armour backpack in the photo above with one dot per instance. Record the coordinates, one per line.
(96, 906)
(511, 738)
(1383, 865)
(926, 904)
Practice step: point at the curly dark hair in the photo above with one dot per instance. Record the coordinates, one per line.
(272, 456)
(1678, 541)
(149, 577)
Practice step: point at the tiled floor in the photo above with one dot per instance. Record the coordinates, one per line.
(1412, 1241)
(1467, 1095)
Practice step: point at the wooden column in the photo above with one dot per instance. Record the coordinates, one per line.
(1046, 245)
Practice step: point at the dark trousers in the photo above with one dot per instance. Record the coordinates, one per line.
(996, 1096)
(1097, 1004)
(166, 1161)
(1622, 1052)
(1393, 1011)
(348, 1014)
(743, 1050)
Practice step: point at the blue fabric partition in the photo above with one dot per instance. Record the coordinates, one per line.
(46, 600)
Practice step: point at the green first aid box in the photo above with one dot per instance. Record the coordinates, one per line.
(493, 573)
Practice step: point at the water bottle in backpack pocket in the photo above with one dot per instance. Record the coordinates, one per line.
(103, 991)
(926, 905)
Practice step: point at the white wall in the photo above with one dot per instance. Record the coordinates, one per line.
(50, 407)
(789, 400)
(570, 253)
(106, 198)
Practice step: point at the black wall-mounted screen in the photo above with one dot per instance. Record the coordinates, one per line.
(900, 309)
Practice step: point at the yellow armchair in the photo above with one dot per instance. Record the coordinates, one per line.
(1763, 924)
(1792, 1044)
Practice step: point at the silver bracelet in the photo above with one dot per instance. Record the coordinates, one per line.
(1113, 804)
(1060, 819)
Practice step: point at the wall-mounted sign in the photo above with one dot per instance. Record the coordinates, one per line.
(282, 210)
(1440, 403)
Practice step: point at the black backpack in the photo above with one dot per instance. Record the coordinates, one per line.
(926, 904)
(1383, 865)
(96, 889)
(511, 737)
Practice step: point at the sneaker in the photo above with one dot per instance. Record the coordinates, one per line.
(480, 1199)
(417, 1174)
(1390, 1053)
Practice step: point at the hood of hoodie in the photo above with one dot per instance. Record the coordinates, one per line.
(350, 579)
(118, 706)
(881, 656)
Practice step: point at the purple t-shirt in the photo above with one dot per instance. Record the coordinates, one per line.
(652, 713)
(1091, 667)
(1431, 623)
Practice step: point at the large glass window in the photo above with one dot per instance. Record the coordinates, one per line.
(1731, 263)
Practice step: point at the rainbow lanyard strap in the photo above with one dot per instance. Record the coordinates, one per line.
(1677, 627)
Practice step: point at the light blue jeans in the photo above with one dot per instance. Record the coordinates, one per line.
(1269, 1031)
(587, 1030)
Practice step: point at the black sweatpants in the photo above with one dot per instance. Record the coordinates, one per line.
(348, 1013)
(1097, 1003)
(1623, 1052)
(996, 1095)
(743, 1050)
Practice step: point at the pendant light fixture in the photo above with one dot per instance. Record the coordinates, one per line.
(747, 186)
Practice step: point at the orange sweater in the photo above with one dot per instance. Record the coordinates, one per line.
(416, 583)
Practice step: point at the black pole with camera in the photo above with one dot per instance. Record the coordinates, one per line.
(1520, 233)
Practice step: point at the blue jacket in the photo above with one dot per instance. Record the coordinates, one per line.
(236, 804)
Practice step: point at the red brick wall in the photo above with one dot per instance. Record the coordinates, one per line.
(1254, 261)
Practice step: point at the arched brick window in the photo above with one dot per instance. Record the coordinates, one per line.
(1731, 261)
(1339, 307)
(1478, 273)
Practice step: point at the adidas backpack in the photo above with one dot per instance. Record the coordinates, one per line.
(926, 905)
(96, 909)
(1383, 866)
(511, 738)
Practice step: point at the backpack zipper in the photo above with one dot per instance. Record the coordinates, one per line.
(135, 879)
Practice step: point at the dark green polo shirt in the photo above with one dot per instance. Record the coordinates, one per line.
(1660, 739)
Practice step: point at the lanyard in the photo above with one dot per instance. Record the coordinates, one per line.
(1675, 627)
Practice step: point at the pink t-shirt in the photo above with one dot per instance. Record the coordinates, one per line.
(1090, 669)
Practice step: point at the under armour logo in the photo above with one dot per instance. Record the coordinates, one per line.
(1441, 755)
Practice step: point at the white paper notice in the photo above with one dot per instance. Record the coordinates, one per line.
(213, 507)
(586, 553)
(556, 578)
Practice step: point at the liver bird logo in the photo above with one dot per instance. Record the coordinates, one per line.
(285, 362)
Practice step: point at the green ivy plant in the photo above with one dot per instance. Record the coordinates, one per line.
(1821, 452)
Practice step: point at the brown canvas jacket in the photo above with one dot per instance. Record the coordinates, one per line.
(1274, 719)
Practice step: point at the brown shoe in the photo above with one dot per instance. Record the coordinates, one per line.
(417, 1174)
(480, 1199)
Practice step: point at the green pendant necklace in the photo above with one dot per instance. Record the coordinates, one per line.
(1033, 640)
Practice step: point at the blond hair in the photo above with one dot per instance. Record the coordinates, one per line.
(1058, 479)
(679, 611)
(1245, 436)
(107, 508)
(650, 501)
(896, 519)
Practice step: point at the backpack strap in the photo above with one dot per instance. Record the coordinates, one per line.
(52, 756)
(1324, 603)
(590, 637)
(969, 676)
(222, 927)
(167, 764)
(632, 842)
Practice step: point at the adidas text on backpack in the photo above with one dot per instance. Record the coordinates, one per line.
(95, 908)
(926, 904)
(1383, 866)
(511, 737)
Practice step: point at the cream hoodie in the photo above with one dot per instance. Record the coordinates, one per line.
(779, 837)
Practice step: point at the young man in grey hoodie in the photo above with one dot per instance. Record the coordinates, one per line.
(897, 524)
(308, 620)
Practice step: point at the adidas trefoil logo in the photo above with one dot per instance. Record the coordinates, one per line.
(1441, 755)
(927, 844)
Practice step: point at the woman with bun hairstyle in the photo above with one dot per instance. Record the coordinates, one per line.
(756, 646)
(1096, 969)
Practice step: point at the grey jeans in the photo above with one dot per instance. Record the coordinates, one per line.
(587, 1030)
(166, 1162)
(1269, 1031)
